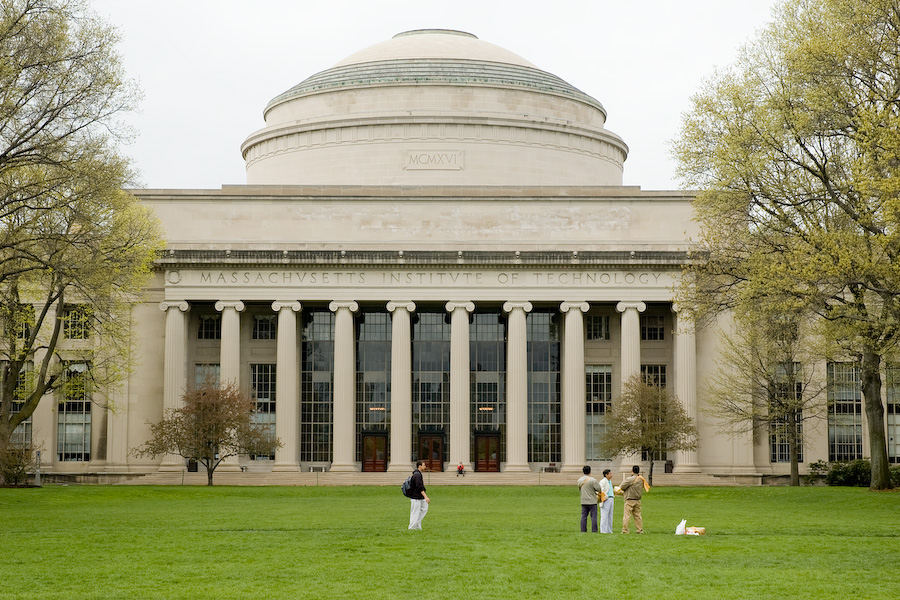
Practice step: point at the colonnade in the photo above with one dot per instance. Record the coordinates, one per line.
(344, 438)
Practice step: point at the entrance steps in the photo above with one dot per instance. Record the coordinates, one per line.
(329, 478)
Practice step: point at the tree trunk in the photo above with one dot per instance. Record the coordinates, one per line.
(651, 469)
(210, 469)
(794, 443)
(870, 377)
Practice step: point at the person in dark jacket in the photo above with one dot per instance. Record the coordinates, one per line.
(418, 499)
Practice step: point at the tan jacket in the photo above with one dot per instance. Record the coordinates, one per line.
(633, 488)
(589, 488)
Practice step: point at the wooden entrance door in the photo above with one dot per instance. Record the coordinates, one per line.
(431, 450)
(374, 452)
(487, 452)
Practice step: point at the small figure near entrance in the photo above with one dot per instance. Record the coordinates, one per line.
(590, 493)
(460, 469)
(418, 499)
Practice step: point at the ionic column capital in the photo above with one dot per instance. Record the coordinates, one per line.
(181, 305)
(235, 304)
(395, 304)
(638, 306)
(567, 306)
(349, 304)
(510, 306)
(293, 305)
(468, 306)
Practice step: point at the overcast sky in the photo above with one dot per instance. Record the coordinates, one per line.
(207, 68)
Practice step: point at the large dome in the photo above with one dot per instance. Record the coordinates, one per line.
(434, 107)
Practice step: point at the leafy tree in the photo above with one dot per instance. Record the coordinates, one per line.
(214, 423)
(647, 418)
(75, 249)
(795, 150)
(765, 382)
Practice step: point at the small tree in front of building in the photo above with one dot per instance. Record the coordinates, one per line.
(648, 419)
(214, 423)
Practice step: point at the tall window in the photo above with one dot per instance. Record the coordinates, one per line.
(653, 328)
(21, 435)
(487, 369)
(316, 385)
(210, 327)
(264, 327)
(544, 403)
(654, 375)
(73, 434)
(75, 322)
(789, 390)
(206, 374)
(598, 402)
(431, 374)
(23, 321)
(596, 327)
(844, 412)
(373, 373)
(262, 382)
(893, 413)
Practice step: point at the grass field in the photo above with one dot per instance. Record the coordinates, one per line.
(478, 542)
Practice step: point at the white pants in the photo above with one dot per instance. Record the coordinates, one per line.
(417, 510)
(606, 515)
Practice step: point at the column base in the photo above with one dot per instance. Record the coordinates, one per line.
(572, 469)
(689, 468)
(400, 467)
(172, 467)
(228, 467)
(344, 468)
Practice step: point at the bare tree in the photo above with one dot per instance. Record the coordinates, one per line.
(648, 419)
(215, 423)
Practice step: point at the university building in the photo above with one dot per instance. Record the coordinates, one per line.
(433, 258)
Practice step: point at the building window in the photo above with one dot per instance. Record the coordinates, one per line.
(210, 327)
(206, 375)
(262, 382)
(23, 321)
(264, 327)
(844, 412)
(75, 322)
(789, 390)
(653, 328)
(73, 440)
(598, 401)
(373, 373)
(430, 376)
(597, 327)
(487, 374)
(893, 413)
(316, 386)
(654, 375)
(21, 435)
(544, 400)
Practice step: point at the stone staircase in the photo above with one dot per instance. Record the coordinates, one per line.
(431, 478)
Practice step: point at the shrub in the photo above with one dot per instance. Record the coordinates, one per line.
(817, 472)
(853, 473)
(15, 462)
(895, 476)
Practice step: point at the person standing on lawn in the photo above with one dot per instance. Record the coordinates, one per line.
(590, 489)
(633, 488)
(418, 499)
(606, 506)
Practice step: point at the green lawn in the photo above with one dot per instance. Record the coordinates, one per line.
(478, 542)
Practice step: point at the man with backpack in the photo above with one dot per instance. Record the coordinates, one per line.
(418, 499)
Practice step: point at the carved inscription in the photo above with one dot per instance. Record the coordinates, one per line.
(434, 160)
(285, 278)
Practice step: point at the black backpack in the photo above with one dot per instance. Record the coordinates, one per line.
(405, 488)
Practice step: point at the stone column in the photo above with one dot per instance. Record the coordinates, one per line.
(343, 455)
(631, 357)
(230, 352)
(460, 385)
(401, 386)
(230, 358)
(517, 387)
(573, 401)
(287, 387)
(174, 368)
(686, 382)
